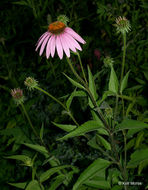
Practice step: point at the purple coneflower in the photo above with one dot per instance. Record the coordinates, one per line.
(59, 37)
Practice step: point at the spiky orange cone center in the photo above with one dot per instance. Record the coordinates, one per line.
(56, 27)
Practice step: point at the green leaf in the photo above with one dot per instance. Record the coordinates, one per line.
(38, 148)
(98, 184)
(74, 82)
(113, 81)
(130, 144)
(74, 94)
(19, 185)
(66, 128)
(46, 175)
(59, 180)
(33, 185)
(84, 128)
(104, 142)
(97, 165)
(139, 139)
(124, 82)
(133, 126)
(142, 165)
(137, 157)
(92, 87)
(42, 131)
(19, 157)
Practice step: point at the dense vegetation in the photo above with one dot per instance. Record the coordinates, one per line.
(55, 160)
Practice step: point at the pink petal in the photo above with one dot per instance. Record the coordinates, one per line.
(44, 44)
(48, 48)
(74, 34)
(64, 45)
(59, 47)
(41, 40)
(41, 37)
(70, 44)
(73, 41)
(52, 45)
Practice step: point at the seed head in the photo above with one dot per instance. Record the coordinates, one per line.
(108, 61)
(122, 25)
(63, 18)
(17, 95)
(31, 83)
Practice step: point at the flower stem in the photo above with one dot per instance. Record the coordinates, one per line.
(52, 97)
(123, 58)
(82, 67)
(30, 123)
(59, 102)
(101, 117)
(89, 93)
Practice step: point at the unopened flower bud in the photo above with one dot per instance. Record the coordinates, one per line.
(108, 61)
(28, 162)
(17, 95)
(122, 25)
(31, 83)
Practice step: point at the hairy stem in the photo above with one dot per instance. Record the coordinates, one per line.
(59, 102)
(84, 76)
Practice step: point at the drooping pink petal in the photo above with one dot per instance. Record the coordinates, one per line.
(52, 45)
(74, 35)
(48, 48)
(41, 37)
(70, 44)
(41, 40)
(59, 47)
(44, 44)
(64, 45)
(73, 41)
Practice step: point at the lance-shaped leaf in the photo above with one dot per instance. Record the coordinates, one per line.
(38, 148)
(104, 142)
(74, 82)
(137, 157)
(97, 165)
(124, 82)
(33, 185)
(113, 81)
(75, 94)
(19, 185)
(46, 175)
(84, 128)
(92, 87)
(134, 126)
(65, 127)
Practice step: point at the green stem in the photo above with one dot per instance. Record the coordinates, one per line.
(126, 97)
(52, 97)
(100, 114)
(89, 92)
(59, 102)
(125, 153)
(30, 123)
(82, 67)
(123, 58)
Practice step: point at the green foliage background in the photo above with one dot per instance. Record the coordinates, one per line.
(22, 23)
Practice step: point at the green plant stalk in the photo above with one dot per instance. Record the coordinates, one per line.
(59, 102)
(35, 132)
(89, 92)
(125, 154)
(123, 58)
(100, 114)
(30, 123)
(82, 67)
